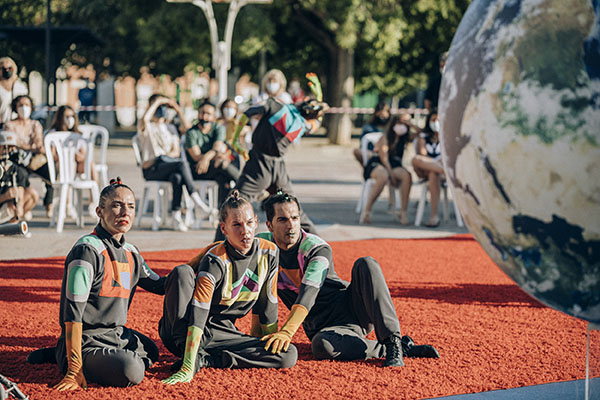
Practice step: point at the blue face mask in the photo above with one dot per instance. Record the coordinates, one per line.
(161, 111)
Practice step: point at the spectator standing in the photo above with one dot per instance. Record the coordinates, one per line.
(10, 87)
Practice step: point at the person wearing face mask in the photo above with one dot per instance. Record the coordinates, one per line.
(386, 166)
(10, 87)
(428, 163)
(377, 123)
(29, 135)
(229, 112)
(274, 85)
(207, 153)
(161, 156)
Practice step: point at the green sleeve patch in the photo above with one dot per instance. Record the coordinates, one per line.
(79, 282)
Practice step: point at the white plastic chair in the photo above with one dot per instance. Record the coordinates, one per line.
(91, 132)
(66, 145)
(423, 199)
(160, 189)
(372, 138)
(209, 192)
(424, 183)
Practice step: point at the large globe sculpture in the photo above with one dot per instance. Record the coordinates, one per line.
(520, 111)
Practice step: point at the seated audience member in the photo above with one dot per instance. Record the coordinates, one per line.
(377, 123)
(336, 315)
(30, 139)
(161, 156)
(386, 166)
(428, 163)
(207, 153)
(17, 197)
(101, 274)
(226, 281)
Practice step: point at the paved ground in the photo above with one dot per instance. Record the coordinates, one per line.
(326, 179)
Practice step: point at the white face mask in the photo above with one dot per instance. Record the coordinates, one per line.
(24, 111)
(70, 122)
(273, 87)
(229, 113)
(400, 129)
(435, 126)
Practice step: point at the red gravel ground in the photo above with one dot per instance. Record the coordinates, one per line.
(447, 292)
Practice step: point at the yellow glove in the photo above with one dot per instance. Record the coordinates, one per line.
(74, 378)
(280, 341)
(186, 372)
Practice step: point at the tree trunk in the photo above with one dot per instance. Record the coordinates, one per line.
(340, 85)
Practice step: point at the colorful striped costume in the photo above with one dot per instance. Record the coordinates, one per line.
(219, 286)
(100, 278)
(340, 314)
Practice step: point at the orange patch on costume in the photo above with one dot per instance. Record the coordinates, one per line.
(294, 275)
(204, 290)
(112, 284)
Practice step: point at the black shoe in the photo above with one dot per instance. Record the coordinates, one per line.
(409, 349)
(205, 361)
(176, 366)
(393, 351)
(45, 355)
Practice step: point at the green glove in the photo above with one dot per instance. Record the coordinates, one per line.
(186, 372)
(235, 143)
(315, 86)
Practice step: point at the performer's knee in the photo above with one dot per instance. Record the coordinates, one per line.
(322, 347)
(366, 264)
(132, 370)
(289, 357)
(181, 273)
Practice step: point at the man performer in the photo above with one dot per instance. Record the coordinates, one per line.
(336, 315)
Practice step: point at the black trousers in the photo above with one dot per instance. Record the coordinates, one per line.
(229, 347)
(366, 306)
(223, 175)
(116, 357)
(174, 170)
(261, 173)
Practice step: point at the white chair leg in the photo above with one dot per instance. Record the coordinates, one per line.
(62, 208)
(79, 199)
(398, 199)
(445, 204)
(157, 205)
(421, 206)
(143, 205)
(359, 203)
(459, 220)
(164, 205)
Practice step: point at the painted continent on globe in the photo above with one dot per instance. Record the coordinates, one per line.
(520, 111)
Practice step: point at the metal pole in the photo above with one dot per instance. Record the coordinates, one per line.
(48, 14)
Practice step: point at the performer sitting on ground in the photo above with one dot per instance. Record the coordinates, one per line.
(336, 315)
(224, 282)
(101, 274)
(279, 126)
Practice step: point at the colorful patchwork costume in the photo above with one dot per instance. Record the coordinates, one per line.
(340, 314)
(279, 126)
(100, 278)
(217, 287)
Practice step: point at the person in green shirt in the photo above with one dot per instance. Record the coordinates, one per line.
(207, 153)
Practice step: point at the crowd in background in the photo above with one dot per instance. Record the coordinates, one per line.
(180, 147)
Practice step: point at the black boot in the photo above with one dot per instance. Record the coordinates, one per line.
(202, 361)
(393, 351)
(45, 355)
(410, 349)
